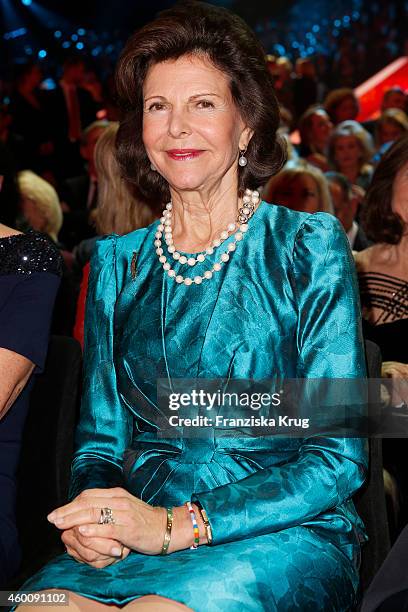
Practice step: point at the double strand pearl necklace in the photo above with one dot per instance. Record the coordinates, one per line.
(250, 201)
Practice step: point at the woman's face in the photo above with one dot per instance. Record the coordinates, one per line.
(347, 109)
(192, 130)
(321, 127)
(389, 131)
(300, 193)
(347, 151)
(400, 193)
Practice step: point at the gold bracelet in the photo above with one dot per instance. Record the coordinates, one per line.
(206, 522)
(167, 535)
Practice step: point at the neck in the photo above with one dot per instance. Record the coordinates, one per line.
(199, 218)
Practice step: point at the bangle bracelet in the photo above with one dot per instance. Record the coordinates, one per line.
(196, 542)
(167, 535)
(206, 522)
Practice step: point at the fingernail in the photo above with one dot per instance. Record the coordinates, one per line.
(116, 552)
(51, 516)
(59, 521)
(84, 529)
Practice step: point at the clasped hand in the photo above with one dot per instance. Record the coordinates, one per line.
(138, 526)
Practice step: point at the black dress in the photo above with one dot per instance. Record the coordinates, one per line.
(30, 270)
(389, 296)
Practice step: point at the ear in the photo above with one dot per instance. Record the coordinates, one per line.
(245, 137)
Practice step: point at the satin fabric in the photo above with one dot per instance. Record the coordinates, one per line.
(286, 534)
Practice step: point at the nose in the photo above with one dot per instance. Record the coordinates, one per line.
(179, 125)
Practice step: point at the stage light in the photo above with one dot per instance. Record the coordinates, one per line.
(81, 31)
(57, 34)
(79, 45)
(28, 50)
(66, 44)
(74, 37)
(26, 2)
(42, 53)
(316, 28)
(337, 23)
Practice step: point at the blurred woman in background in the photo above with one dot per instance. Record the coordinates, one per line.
(341, 105)
(350, 150)
(40, 207)
(392, 124)
(118, 211)
(383, 278)
(299, 186)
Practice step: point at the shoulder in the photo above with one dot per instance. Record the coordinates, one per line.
(320, 228)
(29, 253)
(373, 258)
(114, 246)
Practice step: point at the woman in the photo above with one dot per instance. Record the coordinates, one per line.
(40, 204)
(299, 186)
(118, 211)
(282, 533)
(383, 276)
(315, 129)
(350, 150)
(392, 124)
(41, 209)
(341, 105)
(30, 268)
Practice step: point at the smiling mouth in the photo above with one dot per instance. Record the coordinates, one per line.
(185, 154)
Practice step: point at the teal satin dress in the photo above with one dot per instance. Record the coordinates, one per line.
(286, 534)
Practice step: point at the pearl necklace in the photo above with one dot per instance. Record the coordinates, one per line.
(250, 201)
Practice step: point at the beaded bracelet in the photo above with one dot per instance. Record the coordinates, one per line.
(196, 542)
(167, 535)
(206, 521)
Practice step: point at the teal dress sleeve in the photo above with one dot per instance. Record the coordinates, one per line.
(327, 471)
(105, 427)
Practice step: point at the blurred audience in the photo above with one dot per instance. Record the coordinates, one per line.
(299, 186)
(71, 109)
(315, 129)
(30, 119)
(79, 194)
(391, 125)
(346, 199)
(118, 211)
(341, 105)
(350, 151)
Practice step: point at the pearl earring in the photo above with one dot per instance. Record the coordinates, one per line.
(153, 168)
(242, 159)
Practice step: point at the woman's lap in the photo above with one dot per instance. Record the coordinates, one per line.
(284, 571)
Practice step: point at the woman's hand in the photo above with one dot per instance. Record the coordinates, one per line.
(98, 552)
(398, 372)
(138, 526)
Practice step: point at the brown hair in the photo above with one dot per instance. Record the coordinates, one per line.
(227, 42)
(306, 122)
(335, 97)
(118, 210)
(381, 223)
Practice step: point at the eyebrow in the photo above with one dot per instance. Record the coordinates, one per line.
(190, 98)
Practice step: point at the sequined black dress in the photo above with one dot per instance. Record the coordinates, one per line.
(30, 270)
